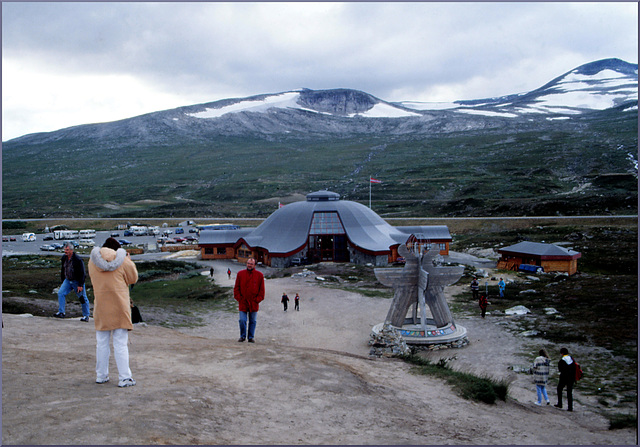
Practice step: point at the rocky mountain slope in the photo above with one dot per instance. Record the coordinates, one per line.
(235, 152)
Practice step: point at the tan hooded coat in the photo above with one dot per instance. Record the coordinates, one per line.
(111, 274)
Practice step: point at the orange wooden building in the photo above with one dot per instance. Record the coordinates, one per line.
(551, 257)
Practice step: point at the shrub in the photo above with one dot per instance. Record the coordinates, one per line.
(618, 421)
(469, 386)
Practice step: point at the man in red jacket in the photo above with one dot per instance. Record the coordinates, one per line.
(248, 292)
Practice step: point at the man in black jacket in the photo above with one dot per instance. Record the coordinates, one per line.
(72, 275)
(567, 368)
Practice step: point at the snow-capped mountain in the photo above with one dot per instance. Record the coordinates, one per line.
(598, 85)
(305, 113)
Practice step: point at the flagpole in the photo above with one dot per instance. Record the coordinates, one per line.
(369, 192)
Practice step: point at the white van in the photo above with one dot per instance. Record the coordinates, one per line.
(28, 237)
(86, 242)
(87, 234)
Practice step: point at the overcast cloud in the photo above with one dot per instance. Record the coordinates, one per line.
(65, 64)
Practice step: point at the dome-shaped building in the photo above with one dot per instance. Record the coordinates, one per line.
(322, 228)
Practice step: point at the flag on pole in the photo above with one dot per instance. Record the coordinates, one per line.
(372, 180)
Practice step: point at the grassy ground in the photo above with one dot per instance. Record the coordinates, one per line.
(172, 293)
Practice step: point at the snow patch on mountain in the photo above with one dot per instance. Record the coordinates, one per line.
(382, 110)
(284, 101)
(289, 100)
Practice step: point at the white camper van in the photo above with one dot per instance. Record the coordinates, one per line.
(28, 237)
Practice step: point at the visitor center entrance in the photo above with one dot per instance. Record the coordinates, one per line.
(327, 238)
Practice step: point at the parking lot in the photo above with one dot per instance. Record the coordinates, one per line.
(12, 244)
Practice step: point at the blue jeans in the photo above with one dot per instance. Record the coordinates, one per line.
(542, 392)
(252, 324)
(65, 289)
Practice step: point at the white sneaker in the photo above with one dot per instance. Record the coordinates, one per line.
(126, 382)
(537, 403)
(105, 380)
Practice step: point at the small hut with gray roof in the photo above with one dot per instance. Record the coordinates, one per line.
(551, 257)
(322, 228)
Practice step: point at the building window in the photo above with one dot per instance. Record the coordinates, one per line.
(243, 252)
(221, 251)
(326, 223)
(208, 251)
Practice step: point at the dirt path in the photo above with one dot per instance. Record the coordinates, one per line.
(307, 380)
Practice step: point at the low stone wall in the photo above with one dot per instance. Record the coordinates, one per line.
(180, 247)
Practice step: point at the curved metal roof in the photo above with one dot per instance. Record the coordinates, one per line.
(287, 229)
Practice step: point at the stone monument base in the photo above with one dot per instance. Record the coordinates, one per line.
(451, 336)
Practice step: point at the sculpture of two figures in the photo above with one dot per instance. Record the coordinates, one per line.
(420, 284)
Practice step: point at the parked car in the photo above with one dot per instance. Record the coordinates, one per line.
(181, 239)
(115, 234)
(12, 238)
(128, 233)
(87, 242)
(5, 239)
(179, 230)
(48, 237)
(57, 245)
(191, 238)
(47, 247)
(400, 261)
(193, 230)
(125, 242)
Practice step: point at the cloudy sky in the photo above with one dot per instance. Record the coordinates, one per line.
(65, 64)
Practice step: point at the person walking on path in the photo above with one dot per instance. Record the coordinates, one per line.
(567, 368)
(112, 272)
(483, 302)
(229, 273)
(501, 286)
(296, 301)
(285, 301)
(541, 375)
(475, 286)
(72, 275)
(211, 272)
(249, 292)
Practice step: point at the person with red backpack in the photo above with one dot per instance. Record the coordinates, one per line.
(567, 368)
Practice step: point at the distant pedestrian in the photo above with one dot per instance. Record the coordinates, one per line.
(229, 273)
(296, 301)
(483, 302)
(211, 272)
(475, 286)
(541, 375)
(72, 275)
(567, 369)
(285, 301)
(249, 293)
(501, 286)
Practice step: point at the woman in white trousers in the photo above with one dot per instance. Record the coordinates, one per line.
(112, 272)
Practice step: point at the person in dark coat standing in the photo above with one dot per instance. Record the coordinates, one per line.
(297, 302)
(72, 275)
(567, 368)
(285, 301)
(475, 286)
(249, 292)
(483, 302)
